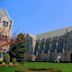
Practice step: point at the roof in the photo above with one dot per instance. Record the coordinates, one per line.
(3, 13)
(33, 36)
(54, 33)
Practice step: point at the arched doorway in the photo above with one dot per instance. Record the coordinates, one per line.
(71, 57)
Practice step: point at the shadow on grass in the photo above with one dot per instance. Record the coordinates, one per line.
(40, 70)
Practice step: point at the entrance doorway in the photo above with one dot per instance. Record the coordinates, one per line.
(71, 57)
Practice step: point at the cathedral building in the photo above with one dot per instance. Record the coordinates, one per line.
(5, 31)
(48, 46)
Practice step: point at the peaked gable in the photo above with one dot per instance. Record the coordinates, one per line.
(4, 13)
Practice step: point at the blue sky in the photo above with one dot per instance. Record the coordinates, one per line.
(38, 16)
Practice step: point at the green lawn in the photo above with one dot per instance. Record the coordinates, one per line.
(65, 67)
(7, 69)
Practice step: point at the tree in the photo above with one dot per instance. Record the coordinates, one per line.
(14, 60)
(18, 48)
(7, 58)
(20, 38)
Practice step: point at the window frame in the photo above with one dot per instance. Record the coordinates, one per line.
(5, 24)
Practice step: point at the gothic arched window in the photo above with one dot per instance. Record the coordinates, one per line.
(47, 46)
(60, 45)
(36, 47)
(53, 46)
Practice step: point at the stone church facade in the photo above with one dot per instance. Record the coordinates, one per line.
(5, 32)
(48, 46)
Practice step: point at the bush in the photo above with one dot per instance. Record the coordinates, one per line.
(10, 64)
(16, 64)
(14, 60)
(3, 64)
(7, 58)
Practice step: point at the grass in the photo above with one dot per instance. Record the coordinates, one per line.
(8, 69)
(65, 67)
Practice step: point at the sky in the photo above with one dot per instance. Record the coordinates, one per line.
(38, 16)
